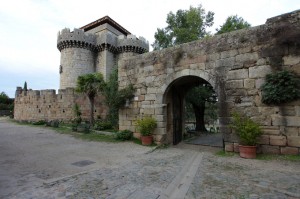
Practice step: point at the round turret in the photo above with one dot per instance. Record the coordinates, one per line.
(77, 56)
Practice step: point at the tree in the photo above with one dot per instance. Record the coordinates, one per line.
(115, 98)
(90, 84)
(4, 99)
(233, 23)
(198, 97)
(6, 103)
(184, 26)
(25, 86)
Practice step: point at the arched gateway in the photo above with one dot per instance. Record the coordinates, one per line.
(235, 64)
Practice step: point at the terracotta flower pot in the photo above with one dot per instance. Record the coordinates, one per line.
(248, 152)
(147, 140)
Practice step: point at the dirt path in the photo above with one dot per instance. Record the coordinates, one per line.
(40, 163)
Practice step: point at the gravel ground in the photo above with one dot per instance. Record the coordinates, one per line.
(40, 163)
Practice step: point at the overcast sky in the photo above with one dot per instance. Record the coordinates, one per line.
(28, 29)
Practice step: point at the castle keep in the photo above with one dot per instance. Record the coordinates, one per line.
(235, 64)
(95, 47)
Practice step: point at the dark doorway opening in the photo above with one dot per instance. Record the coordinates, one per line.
(180, 125)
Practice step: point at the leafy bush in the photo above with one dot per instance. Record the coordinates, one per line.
(280, 87)
(246, 129)
(84, 128)
(102, 125)
(146, 125)
(115, 98)
(124, 135)
(53, 123)
(41, 122)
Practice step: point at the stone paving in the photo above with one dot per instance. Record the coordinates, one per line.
(157, 174)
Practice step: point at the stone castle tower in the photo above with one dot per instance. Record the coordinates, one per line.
(95, 47)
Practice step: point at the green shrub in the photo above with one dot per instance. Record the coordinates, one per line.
(103, 125)
(124, 135)
(280, 87)
(77, 119)
(55, 123)
(246, 129)
(41, 122)
(146, 125)
(84, 128)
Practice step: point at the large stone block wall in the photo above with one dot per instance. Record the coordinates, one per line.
(46, 105)
(235, 64)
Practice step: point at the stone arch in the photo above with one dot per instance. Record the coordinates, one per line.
(203, 74)
(172, 96)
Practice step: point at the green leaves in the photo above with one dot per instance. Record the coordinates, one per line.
(90, 84)
(184, 26)
(233, 23)
(115, 98)
(281, 87)
(201, 94)
(146, 125)
(247, 130)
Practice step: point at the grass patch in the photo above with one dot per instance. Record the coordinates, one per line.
(294, 158)
(92, 136)
(225, 153)
(96, 137)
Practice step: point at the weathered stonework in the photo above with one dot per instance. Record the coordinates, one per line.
(33, 105)
(95, 47)
(235, 64)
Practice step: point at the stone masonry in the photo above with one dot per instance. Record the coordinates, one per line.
(95, 47)
(46, 105)
(235, 64)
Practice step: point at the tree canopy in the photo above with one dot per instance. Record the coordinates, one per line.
(4, 99)
(6, 103)
(90, 84)
(233, 23)
(184, 26)
(199, 98)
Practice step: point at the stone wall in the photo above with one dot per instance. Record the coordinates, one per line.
(235, 64)
(46, 105)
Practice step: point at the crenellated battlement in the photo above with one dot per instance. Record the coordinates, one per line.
(79, 39)
(75, 39)
(35, 105)
(107, 42)
(132, 44)
(96, 47)
(36, 93)
(122, 43)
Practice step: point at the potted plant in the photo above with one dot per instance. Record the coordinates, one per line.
(248, 131)
(146, 126)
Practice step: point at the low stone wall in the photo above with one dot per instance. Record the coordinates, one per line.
(34, 105)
